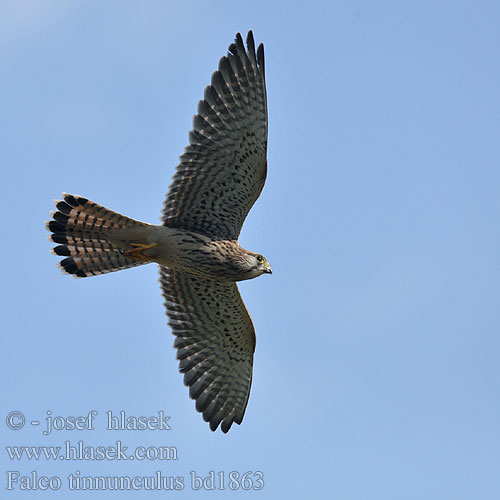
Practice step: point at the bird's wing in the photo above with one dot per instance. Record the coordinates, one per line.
(215, 341)
(222, 171)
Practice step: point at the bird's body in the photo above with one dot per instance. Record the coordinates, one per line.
(80, 223)
(200, 255)
(220, 176)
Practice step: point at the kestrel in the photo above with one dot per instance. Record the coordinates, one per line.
(220, 176)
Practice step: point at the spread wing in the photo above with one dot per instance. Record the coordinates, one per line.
(222, 171)
(215, 341)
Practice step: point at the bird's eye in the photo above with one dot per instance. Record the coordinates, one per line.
(260, 258)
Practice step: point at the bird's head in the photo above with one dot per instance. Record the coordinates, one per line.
(255, 265)
(262, 264)
(250, 264)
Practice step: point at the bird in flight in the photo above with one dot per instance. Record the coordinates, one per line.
(218, 179)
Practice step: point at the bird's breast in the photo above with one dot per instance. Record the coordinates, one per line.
(196, 254)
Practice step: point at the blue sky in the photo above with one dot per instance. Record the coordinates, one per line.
(376, 372)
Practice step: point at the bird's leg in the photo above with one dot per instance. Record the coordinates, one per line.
(136, 252)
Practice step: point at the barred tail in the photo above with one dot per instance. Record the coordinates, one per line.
(82, 229)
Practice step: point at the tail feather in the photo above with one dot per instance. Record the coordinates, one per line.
(82, 228)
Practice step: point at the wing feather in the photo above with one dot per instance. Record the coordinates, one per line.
(223, 169)
(215, 342)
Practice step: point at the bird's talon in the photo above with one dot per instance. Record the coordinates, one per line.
(137, 251)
